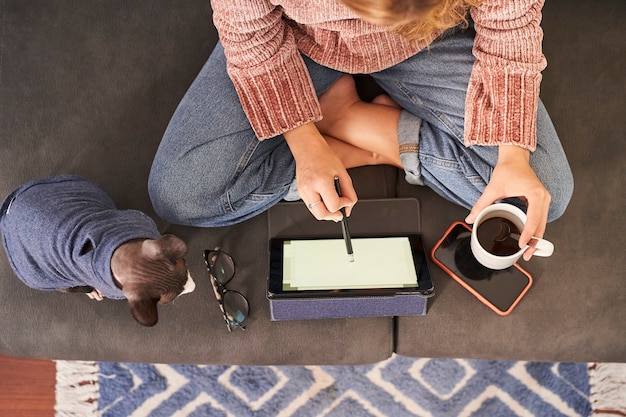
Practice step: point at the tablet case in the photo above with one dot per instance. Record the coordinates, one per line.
(369, 217)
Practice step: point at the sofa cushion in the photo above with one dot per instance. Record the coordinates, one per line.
(576, 308)
(88, 88)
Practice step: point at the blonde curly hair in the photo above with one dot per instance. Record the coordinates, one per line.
(415, 19)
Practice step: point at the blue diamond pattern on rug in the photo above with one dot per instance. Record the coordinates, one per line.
(397, 387)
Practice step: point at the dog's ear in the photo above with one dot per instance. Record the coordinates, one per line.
(168, 246)
(144, 310)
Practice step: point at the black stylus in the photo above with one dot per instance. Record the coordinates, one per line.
(344, 225)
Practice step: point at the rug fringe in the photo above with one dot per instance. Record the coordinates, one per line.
(608, 388)
(77, 389)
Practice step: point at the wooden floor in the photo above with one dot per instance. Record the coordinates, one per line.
(26, 387)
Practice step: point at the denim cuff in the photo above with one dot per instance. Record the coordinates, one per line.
(408, 139)
(292, 194)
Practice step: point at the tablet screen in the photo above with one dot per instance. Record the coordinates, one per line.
(323, 264)
(301, 265)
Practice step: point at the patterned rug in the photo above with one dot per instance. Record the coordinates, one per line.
(397, 387)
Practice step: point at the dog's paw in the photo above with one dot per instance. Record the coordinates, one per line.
(95, 295)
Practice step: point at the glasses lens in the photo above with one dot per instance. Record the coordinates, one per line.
(222, 267)
(236, 307)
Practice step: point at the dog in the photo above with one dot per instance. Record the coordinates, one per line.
(65, 233)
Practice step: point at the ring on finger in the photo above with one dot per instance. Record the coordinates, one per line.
(313, 204)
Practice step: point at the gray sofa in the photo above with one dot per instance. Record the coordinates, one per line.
(88, 88)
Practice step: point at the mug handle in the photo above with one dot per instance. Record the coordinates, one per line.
(544, 247)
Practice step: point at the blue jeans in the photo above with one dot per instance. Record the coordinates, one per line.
(211, 170)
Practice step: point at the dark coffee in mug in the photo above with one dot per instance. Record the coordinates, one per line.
(494, 235)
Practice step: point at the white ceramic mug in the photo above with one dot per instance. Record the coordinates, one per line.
(518, 218)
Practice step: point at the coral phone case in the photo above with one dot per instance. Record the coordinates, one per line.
(499, 290)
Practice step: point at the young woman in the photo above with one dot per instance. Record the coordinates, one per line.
(273, 116)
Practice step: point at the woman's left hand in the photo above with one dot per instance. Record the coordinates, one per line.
(514, 177)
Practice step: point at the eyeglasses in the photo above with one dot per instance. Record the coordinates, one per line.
(234, 305)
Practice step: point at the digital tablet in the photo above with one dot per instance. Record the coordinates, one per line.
(302, 267)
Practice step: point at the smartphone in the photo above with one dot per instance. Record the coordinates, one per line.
(500, 290)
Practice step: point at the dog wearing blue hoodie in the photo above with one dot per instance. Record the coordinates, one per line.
(65, 233)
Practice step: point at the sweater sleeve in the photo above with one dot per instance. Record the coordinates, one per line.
(503, 91)
(267, 70)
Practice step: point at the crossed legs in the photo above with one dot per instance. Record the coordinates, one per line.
(359, 132)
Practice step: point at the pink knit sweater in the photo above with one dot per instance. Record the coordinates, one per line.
(263, 40)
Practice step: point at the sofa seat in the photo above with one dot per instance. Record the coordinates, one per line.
(88, 88)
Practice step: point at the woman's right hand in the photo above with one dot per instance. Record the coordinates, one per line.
(316, 168)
